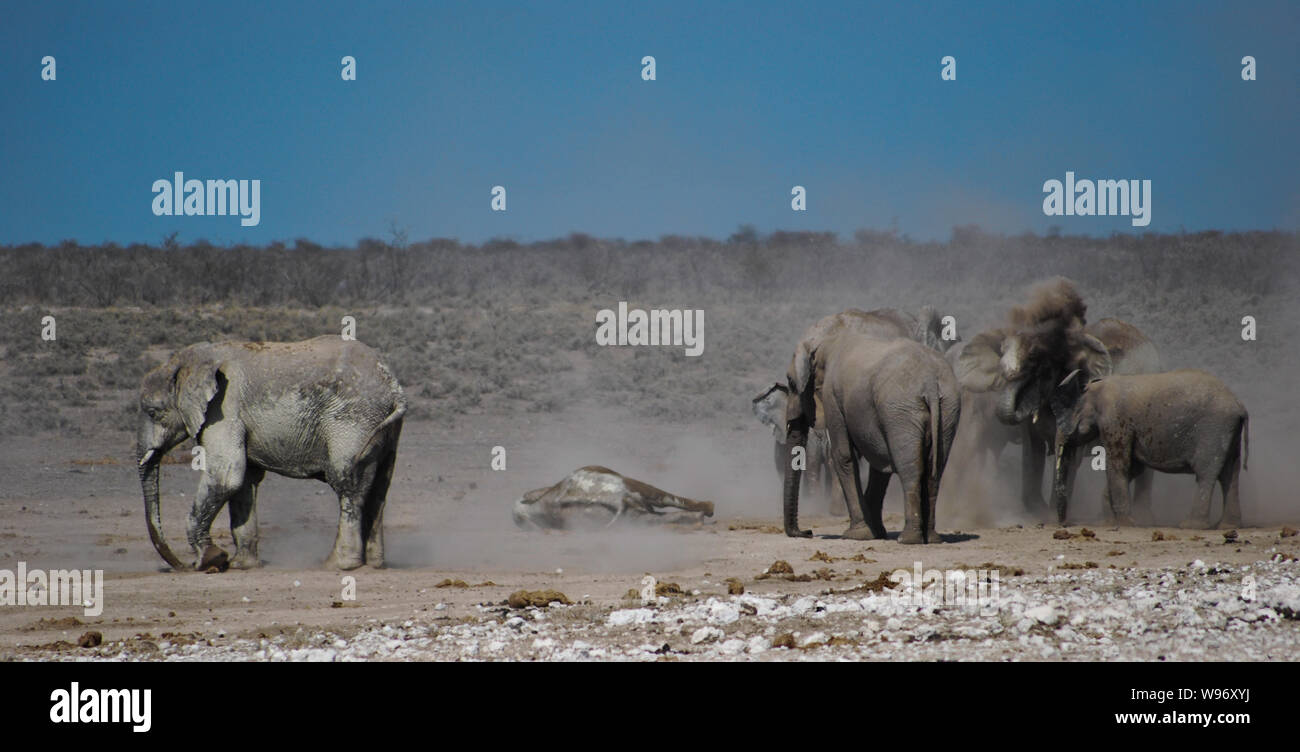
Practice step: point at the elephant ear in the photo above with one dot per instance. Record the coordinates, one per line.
(1091, 358)
(196, 386)
(929, 329)
(770, 408)
(800, 404)
(979, 366)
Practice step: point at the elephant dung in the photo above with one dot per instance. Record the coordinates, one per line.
(538, 598)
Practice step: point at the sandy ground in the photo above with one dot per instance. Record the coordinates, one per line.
(1114, 594)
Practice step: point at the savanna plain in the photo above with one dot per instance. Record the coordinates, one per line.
(495, 347)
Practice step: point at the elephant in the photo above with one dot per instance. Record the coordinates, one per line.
(598, 496)
(1022, 363)
(770, 408)
(924, 327)
(893, 402)
(981, 437)
(1177, 422)
(326, 408)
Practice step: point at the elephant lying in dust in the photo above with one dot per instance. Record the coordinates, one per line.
(1176, 422)
(595, 496)
(326, 408)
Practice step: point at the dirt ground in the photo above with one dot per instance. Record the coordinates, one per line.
(455, 558)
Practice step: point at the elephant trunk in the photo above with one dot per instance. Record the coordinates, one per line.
(150, 466)
(1061, 479)
(1006, 407)
(796, 436)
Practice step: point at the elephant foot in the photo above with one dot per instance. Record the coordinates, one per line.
(1230, 523)
(911, 536)
(344, 562)
(1195, 523)
(245, 560)
(932, 536)
(858, 532)
(796, 533)
(213, 560)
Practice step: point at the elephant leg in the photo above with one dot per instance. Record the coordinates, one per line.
(215, 488)
(349, 552)
(913, 522)
(874, 501)
(1118, 476)
(831, 489)
(372, 517)
(1107, 505)
(930, 506)
(1034, 454)
(1071, 472)
(911, 472)
(1200, 516)
(243, 521)
(1231, 503)
(845, 463)
(1142, 511)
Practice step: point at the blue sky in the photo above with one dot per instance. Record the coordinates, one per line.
(546, 99)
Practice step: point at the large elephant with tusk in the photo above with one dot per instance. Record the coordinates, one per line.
(325, 408)
(1024, 363)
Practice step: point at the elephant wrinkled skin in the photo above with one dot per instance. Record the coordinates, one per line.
(326, 408)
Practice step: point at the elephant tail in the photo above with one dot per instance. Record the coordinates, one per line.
(934, 401)
(1245, 441)
(391, 423)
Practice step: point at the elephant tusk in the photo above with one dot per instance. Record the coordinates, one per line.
(147, 455)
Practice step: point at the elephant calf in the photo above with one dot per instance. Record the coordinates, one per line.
(770, 408)
(1175, 422)
(326, 408)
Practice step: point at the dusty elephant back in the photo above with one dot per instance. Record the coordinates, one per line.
(328, 370)
(1188, 390)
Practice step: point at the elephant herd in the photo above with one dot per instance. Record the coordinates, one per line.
(883, 386)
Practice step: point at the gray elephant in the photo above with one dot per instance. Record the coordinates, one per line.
(326, 408)
(893, 402)
(1176, 422)
(770, 409)
(924, 327)
(1023, 362)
